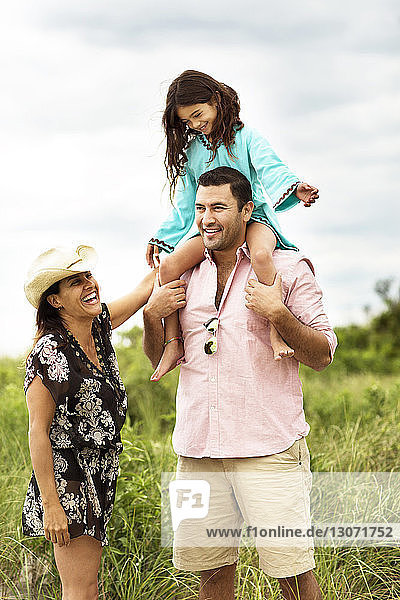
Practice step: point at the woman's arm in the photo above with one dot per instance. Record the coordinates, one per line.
(41, 412)
(123, 308)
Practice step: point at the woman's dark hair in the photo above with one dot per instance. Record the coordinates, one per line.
(48, 318)
(239, 184)
(193, 87)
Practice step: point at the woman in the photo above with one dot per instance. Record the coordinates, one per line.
(77, 405)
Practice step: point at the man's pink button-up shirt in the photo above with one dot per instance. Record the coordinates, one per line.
(240, 402)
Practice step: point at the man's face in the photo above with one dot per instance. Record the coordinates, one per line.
(220, 224)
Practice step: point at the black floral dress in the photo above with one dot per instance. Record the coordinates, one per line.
(85, 433)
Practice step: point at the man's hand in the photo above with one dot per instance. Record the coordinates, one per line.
(264, 300)
(166, 299)
(307, 193)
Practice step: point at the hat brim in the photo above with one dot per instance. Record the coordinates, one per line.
(35, 289)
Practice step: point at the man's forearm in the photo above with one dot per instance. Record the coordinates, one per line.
(311, 346)
(153, 338)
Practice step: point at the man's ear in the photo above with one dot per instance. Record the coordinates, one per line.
(54, 301)
(247, 211)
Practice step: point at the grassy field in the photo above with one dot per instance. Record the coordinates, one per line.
(354, 426)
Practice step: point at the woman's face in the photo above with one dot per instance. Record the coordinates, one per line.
(78, 297)
(200, 117)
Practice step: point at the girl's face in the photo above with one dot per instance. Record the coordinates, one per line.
(200, 117)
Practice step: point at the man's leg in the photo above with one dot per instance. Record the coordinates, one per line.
(300, 587)
(218, 584)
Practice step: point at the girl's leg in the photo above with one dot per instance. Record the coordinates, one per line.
(261, 241)
(172, 267)
(78, 565)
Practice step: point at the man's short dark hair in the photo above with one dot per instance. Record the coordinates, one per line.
(240, 185)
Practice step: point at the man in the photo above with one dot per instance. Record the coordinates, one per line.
(237, 408)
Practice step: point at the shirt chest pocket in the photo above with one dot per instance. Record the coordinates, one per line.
(253, 326)
(253, 344)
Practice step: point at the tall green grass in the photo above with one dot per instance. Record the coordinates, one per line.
(354, 426)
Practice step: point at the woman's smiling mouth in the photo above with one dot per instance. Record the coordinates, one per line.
(91, 298)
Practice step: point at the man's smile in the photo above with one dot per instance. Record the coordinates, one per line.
(211, 231)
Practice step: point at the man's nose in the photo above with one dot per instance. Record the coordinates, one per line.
(208, 217)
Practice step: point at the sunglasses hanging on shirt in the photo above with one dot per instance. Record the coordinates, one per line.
(210, 347)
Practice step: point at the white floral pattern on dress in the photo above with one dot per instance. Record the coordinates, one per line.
(61, 485)
(122, 405)
(59, 436)
(71, 504)
(50, 355)
(60, 464)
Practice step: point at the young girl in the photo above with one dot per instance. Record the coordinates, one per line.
(204, 131)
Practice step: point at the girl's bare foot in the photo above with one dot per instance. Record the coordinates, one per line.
(279, 346)
(171, 355)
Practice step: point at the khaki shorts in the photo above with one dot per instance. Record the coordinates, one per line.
(264, 492)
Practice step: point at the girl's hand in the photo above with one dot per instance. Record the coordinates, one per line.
(307, 193)
(55, 525)
(152, 256)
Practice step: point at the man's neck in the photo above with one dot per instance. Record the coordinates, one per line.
(225, 261)
(226, 258)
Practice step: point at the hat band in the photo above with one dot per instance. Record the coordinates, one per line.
(74, 263)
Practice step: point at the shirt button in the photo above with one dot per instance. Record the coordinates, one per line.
(213, 379)
(212, 407)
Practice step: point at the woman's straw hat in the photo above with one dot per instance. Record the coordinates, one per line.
(56, 264)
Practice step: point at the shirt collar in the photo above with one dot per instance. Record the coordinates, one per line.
(242, 250)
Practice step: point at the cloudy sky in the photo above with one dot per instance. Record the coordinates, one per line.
(82, 91)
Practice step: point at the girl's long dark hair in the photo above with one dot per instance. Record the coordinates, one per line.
(48, 318)
(193, 87)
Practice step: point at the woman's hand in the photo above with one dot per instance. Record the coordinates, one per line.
(55, 525)
(152, 256)
(307, 193)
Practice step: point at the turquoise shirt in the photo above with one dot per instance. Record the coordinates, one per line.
(255, 158)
